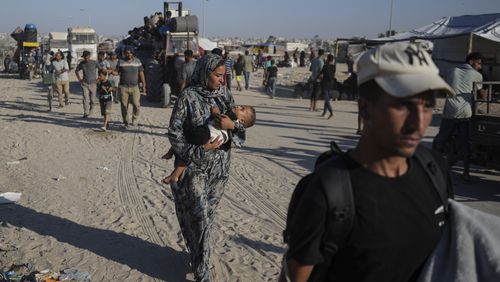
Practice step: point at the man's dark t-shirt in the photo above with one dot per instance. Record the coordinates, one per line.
(394, 231)
(129, 72)
(328, 81)
(89, 69)
(272, 71)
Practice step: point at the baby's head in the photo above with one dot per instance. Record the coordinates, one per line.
(246, 115)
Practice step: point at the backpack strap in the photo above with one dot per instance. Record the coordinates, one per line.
(336, 183)
(436, 175)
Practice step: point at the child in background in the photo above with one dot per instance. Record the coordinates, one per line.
(105, 89)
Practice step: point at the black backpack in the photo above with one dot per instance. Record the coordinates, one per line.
(331, 174)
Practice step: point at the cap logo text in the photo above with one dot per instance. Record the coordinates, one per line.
(415, 55)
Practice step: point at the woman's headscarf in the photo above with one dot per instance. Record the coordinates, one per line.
(204, 67)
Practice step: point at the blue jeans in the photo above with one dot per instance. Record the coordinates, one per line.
(328, 96)
(246, 74)
(271, 86)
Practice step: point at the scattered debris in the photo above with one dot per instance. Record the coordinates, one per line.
(103, 168)
(26, 273)
(59, 178)
(17, 162)
(73, 274)
(9, 198)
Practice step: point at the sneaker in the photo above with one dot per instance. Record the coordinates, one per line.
(330, 116)
(85, 116)
(103, 128)
(66, 103)
(59, 106)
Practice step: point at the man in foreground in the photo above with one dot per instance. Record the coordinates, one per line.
(398, 210)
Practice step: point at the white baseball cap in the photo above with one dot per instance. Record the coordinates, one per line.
(401, 70)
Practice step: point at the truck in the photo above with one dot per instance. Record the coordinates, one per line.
(58, 41)
(181, 34)
(27, 55)
(81, 39)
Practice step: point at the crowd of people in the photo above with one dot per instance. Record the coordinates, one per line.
(393, 191)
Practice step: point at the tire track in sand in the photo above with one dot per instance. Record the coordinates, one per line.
(239, 179)
(128, 190)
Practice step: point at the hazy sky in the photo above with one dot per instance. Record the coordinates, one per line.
(245, 18)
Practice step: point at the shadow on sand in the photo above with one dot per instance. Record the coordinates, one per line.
(151, 259)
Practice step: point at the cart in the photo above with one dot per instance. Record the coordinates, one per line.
(485, 127)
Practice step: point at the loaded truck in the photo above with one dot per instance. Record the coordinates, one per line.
(28, 50)
(163, 38)
(180, 34)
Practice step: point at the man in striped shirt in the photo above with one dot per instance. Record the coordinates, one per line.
(130, 70)
(229, 69)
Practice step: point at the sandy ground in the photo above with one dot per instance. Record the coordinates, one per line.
(110, 215)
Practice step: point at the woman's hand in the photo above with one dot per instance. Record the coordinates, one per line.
(225, 122)
(213, 144)
(215, 110)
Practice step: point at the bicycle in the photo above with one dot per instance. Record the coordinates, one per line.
(49, 80)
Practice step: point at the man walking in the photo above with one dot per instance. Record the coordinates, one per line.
(316, 67)
(398, 207)
(89, 68)
(248, 65)
(61, 69)
(228, 61)
(187, 68)
(130, 70)
(458, 110)
(328, 84)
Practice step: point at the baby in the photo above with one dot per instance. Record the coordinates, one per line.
(211, 131)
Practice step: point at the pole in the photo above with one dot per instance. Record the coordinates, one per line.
(389, 33)
(203, 30)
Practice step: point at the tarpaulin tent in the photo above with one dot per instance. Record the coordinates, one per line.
(206, 44)
(455, 37)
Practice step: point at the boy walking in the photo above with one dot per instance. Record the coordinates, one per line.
(105, 90)
(272, 75)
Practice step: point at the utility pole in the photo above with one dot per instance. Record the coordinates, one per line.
(389, 32)
(203, 30)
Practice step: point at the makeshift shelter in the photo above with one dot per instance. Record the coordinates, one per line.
(205, 44)
(455, 37)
